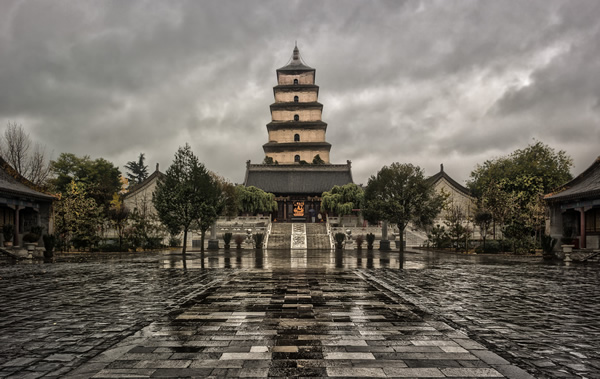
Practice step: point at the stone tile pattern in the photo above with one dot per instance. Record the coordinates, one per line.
(298, 323)
(544, 318)
(55, 317)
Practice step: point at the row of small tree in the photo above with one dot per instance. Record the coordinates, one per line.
(508, 190)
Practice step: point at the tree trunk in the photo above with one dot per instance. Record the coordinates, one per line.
(185, 231)
(202, 234)
(401, 228)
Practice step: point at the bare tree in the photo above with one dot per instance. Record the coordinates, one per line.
(28, 159)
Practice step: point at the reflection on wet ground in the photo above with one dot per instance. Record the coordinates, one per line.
(339, 259)
(64, 316)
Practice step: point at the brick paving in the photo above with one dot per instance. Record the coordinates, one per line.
(245, 314)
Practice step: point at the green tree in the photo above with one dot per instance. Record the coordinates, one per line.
(77, 217)
(253, 200)
(118, 215)
(537, 160)
(400, 194)
(343, 200)
(454, 218)
(138, 171)
(187, 196)
(101, 177)
(269, 160)
(483, 219)
(318, 160)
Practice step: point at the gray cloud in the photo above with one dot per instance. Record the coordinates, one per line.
(425, 82)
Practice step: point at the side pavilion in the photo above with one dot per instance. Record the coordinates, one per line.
(575, 207)
(22, 204)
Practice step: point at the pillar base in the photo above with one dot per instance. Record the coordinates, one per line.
(384, 245)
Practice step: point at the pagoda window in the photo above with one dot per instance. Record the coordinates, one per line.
(295, 99)
(296, 117)
(295, 82)
(296, 137)
(297, 158)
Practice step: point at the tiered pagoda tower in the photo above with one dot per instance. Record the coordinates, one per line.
(296, 132)
(297, 136)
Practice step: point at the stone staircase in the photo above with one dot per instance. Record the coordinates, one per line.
(317, 238)
(280, 237)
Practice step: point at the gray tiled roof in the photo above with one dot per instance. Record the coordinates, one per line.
(297, 179)
(442, 175)
(11, 186)
(586, 185)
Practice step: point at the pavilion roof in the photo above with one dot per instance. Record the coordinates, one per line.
(296, 178)
(586, 185)
(443, 176)
(11, 183)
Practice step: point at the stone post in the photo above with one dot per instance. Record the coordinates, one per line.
(213, 242)
(567, 250)
(384, 244)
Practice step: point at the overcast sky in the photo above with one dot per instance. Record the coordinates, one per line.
(422, 82)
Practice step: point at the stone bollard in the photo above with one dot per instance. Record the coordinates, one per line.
(567, 250)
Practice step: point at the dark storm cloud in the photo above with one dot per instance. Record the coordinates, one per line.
(425, 82)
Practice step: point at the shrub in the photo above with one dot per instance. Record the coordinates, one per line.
(548, 244)
(339, 240)
(174, 241)
(239, 239)
(370, 240)
(491, 247)
(30, 238)
(37, 230)
(258, 240)
(227, 239)
(49, 242)
(8, 230)
(359, 241)
(439, 238)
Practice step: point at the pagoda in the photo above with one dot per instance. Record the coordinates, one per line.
(297, 166)
(296, 132)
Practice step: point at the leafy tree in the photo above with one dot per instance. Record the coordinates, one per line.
(483, 219)
(28, 159)
(77, 217)
(438, 237)
(317, 160)
(253, 200)
(400, 194)
(343, 200)
(188, 195)
(138, 171)
(537, 160)
(101, 177)
(455, 218)
(269, 160)
(118, 215)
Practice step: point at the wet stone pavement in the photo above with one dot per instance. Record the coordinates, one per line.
(298, 313)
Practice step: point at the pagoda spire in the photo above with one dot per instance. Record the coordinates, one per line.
(296, 55)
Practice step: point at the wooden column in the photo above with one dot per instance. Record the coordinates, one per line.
(582, 228)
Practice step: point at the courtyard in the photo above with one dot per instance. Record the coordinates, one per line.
(298, 313)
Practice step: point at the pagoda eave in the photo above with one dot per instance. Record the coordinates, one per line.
(292, 106)
(276, 147)
(300, 125)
